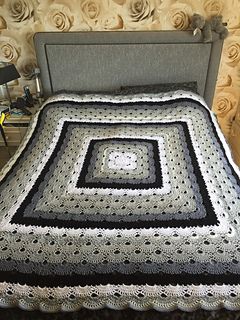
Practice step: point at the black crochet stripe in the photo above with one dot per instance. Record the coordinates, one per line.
(171, 100)
(118, 279)
(210, 218)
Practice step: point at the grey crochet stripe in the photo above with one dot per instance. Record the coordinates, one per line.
(64, 203)
(125, 267)
(70, 204)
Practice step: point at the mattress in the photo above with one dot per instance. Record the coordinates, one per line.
(121, 201)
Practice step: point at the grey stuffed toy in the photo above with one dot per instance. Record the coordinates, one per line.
(218, 26)
(197, 23)
(207, 32)
(200, 25)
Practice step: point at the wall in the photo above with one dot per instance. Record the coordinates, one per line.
(20, 19)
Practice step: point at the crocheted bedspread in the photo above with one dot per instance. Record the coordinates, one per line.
(128, 201)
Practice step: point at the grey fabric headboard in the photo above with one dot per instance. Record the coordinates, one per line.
(102, 61)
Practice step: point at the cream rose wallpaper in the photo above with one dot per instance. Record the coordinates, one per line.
(20, 19)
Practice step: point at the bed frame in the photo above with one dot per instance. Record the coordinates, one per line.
(105, 61)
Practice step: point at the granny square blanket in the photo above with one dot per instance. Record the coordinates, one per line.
(121, 201)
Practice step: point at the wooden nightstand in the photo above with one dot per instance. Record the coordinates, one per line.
(15, 128)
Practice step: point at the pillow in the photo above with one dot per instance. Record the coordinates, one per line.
(156, 88)
(152, 88)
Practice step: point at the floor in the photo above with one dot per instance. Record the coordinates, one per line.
(107, 314)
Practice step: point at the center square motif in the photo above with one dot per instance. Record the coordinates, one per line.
(121, 160)
(121, 163)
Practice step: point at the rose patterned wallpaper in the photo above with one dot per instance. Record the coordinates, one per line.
(20, 19)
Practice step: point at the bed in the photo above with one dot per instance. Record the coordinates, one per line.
(118, 199)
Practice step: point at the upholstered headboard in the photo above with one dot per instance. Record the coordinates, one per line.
(102, 61)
